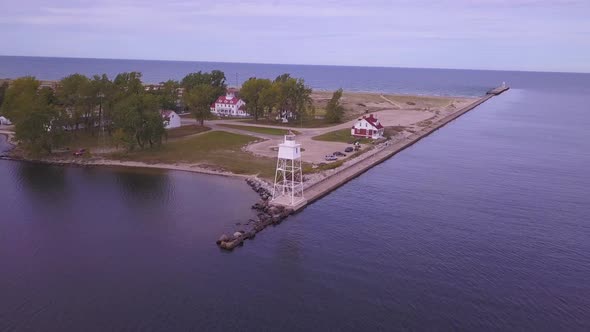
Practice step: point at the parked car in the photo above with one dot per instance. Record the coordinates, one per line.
(339, 154)
(349, 149)
(330, 157)
(79, 152)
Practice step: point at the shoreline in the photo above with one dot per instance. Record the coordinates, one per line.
(109, 163)
(274, 212)
(384, 150)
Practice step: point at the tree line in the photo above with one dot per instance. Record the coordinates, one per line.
(125, 108)
(129, 111)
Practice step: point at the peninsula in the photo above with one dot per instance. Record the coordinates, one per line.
(219, 130)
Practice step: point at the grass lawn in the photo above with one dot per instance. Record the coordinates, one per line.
(342, 135)
(86, 140)
(261, 130)
(183, 131)
(216, 149)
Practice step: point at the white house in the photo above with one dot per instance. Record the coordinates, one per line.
(229, 105)
(367, 127)
(4, 121)
(170, 118)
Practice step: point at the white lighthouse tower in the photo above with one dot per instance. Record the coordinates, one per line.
(288, 188)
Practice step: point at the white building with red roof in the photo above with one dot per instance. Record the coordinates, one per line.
(170, 118)
(367, 127)
(229, 105)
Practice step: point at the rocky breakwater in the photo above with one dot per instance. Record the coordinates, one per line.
(268, 214)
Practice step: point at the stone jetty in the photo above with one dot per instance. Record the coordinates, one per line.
(268, 215)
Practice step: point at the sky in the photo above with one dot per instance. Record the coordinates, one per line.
(529, 35)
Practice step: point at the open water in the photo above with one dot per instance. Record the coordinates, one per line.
(482, 226)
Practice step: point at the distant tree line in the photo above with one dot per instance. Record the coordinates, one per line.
(129, 111)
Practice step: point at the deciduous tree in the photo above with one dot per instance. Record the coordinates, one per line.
(216, 79)
(3, 88)
(198, 101)
(256, 93)
(293, 96)
(335, 111)
(38, 121)
(73, 94)
(137, 117)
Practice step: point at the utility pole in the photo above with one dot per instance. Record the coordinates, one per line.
(101, 133)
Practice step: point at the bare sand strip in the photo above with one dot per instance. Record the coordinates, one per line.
(341, 176)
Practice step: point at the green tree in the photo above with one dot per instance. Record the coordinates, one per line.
(73, 94)
(168, 95)
(293, 96)
(126, 84)
(198, 101)
(38, 121)
(137, 121)
(102, 96)
(215, 79)
(335, 111)
(268, 99)
(3, 88)
(255, 93)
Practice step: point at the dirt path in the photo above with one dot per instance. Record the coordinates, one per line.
(396, 105)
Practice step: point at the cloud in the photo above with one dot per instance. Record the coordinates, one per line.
(363, 32)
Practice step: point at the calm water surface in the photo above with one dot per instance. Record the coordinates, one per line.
(372, 79)
(482, 226)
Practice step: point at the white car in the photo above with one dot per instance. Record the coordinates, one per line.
(330, 157)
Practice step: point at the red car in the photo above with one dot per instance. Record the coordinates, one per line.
(79, 152)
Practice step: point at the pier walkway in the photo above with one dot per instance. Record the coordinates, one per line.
(380, 154)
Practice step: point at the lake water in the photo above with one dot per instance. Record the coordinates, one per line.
(482, 226)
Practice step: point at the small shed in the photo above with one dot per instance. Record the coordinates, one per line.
(171, 119)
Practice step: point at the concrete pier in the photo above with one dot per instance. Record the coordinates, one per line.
(372, 158)
(274, 212)
(499, 90)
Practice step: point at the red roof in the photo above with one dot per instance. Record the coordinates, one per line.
(373, 121)
(225, 100)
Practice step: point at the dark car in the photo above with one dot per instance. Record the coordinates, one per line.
(79, 152)
(348, 149)
(339, 154)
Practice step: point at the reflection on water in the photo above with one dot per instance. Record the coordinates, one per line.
(42, 179)
(145, 186)
(4, 146)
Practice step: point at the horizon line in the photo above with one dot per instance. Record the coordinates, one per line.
(297, 64)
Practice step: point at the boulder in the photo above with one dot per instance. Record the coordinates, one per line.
(230, 245)
(222, 238)
(238, 234)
